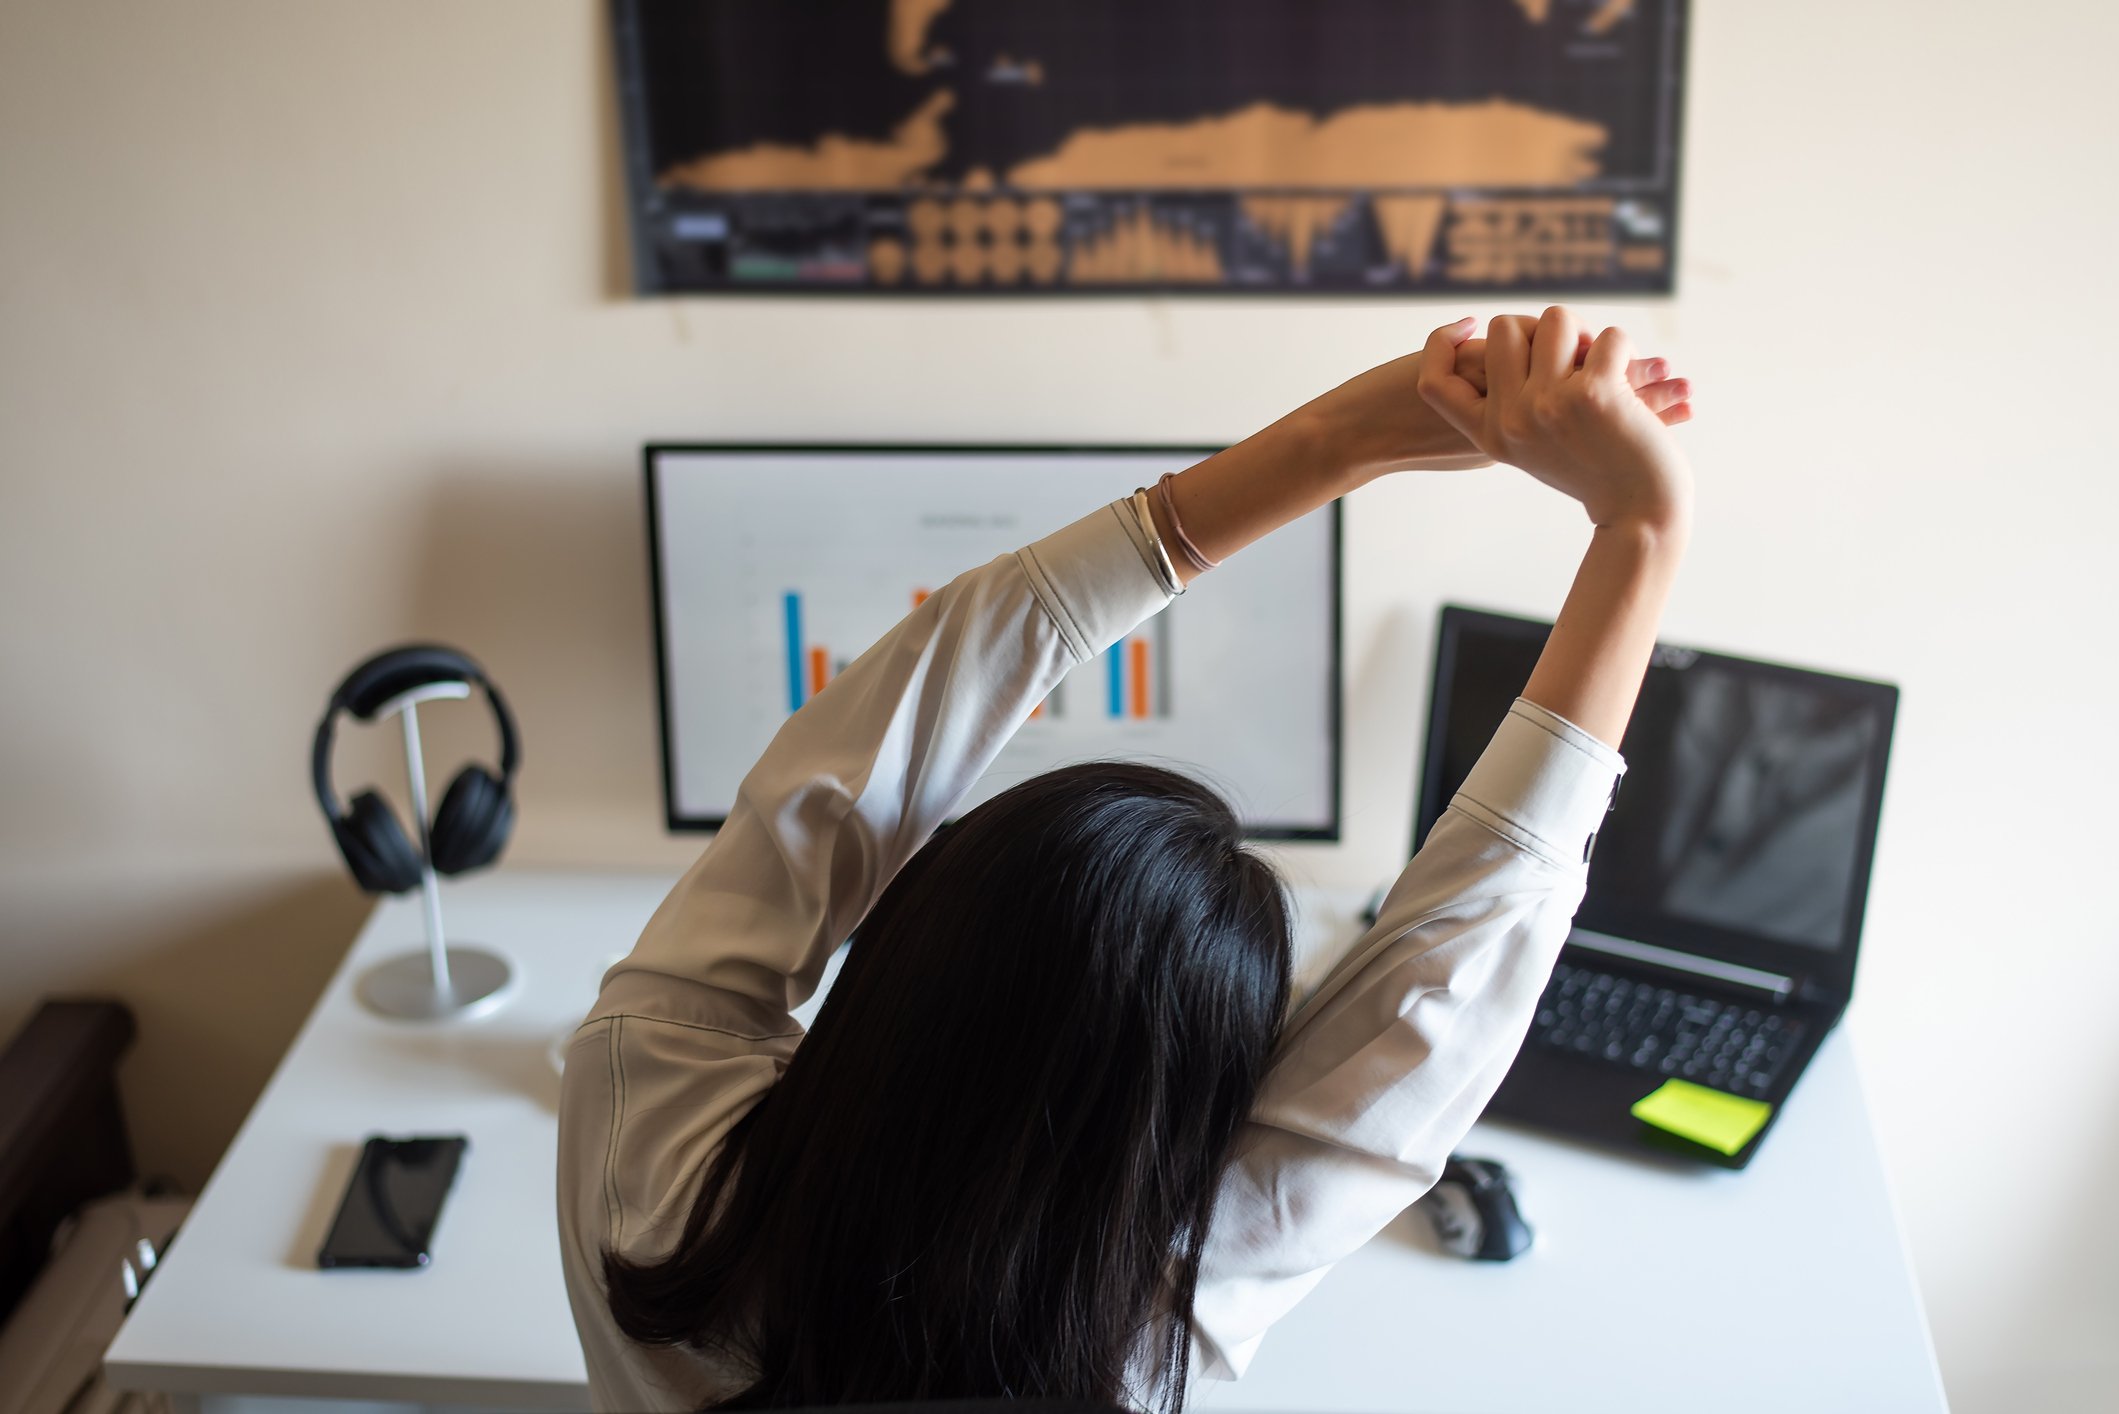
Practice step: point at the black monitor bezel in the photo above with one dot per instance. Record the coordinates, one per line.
(677, 823)
(1817, 972)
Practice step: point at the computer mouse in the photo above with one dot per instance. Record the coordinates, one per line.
(1474, 1213)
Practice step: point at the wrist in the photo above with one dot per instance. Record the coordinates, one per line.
(1659, 535)
(1662, 513)
(1311, 440)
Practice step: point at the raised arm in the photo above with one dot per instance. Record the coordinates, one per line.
(1579, 428)
(1385, 1067)
(1369, 426)
(862, 774)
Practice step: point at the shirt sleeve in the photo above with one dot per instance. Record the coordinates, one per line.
(858, 779)
(1382, 1071)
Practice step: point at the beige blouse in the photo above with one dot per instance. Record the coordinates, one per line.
(1379, 1073)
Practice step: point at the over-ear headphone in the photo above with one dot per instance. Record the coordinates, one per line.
(476, 811)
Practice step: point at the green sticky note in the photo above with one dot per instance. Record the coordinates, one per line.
(1721, 1122)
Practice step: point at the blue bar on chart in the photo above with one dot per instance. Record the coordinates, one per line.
(793, 603)
(1137, 674)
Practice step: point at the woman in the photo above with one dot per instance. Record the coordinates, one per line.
(1053, 1134)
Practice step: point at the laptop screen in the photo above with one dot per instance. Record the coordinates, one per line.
(1746, 823)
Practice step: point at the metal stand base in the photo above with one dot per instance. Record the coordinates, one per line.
(403, 987)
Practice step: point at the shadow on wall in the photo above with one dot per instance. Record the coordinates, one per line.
(617, 273)
(1383, 714)
(2059, 1370)
(537, 568)
(219, 991)
(540, 572)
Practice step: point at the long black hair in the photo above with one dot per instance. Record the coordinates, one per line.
(990, 1167)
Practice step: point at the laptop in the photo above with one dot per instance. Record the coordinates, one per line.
(1716, 944)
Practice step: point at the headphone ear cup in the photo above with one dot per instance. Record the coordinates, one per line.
(472, 823)
(382, 859)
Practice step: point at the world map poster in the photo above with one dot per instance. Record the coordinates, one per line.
(1019, 146)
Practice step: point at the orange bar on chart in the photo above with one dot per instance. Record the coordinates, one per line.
(819, 671)
(1138, 671)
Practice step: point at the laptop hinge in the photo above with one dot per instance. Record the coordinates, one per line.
(1772, 983)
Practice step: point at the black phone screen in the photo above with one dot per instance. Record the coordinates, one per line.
(388, 1215)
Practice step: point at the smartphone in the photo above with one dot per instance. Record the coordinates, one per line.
(388, 1215)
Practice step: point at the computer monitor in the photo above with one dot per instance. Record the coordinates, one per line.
(776, 566)
(1746, 823)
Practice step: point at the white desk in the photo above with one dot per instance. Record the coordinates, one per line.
(1649, 1287)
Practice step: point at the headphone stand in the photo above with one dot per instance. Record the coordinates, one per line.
(444, 982)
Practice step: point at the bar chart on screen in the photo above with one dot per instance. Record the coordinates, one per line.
(810, 666)
(1137, 674)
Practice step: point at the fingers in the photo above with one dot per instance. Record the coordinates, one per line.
(1457, 400)
(1476, 359)
(1671, 417)
(1610, 354)
(1471, 363)
(1661, 396)
(1552, 347)
(1525, 324)
(1643, 371)
(1507, 356)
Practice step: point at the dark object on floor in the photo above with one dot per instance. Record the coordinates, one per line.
(62, 1137)
(51, 1350)
(1474, 1213)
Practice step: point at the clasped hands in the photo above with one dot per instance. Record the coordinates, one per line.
(1429, 410)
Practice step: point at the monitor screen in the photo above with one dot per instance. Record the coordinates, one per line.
(775, 567)
(1748, 811)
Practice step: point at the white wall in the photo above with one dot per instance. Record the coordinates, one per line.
(311, 339)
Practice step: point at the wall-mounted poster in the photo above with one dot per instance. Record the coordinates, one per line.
(1335, 146)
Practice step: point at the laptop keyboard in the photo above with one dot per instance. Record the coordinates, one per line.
(1663, 1031)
